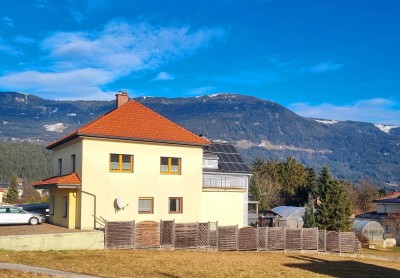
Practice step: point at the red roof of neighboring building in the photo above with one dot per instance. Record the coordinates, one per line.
(134, 121)
(70, 179)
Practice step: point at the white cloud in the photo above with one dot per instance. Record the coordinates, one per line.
(377, 110)
(5, 47)
(161, 76)
(23, 40)
(322, 68)
(8, 22)
(97, 58)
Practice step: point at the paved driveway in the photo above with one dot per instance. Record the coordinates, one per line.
(45, 228)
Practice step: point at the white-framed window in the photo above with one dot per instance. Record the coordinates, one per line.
(146, 205)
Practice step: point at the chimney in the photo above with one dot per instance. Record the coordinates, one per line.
(122, 98)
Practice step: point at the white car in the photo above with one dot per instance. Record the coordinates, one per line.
(16, 215)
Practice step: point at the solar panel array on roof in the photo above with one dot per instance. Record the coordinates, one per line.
(230, 160)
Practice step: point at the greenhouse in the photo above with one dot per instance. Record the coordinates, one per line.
(290, 217)
(370, 230)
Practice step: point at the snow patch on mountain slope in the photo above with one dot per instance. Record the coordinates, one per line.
(58, 127)
(386, 128)
(327, 122)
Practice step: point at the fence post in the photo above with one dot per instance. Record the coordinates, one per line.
(301, 239)
(197, 235)
(266, 238)
(237, 237)
(216, 232)
(173, 234)
(284, 238)
(134, 235)
(340, 242)
(325, 241)
(208, 234)
(161, 232)
(105, 235)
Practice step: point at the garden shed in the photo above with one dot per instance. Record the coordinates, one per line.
(368, 230)
(290, 217)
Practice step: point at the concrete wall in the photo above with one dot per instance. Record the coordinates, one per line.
(145, 181)
(60, 241)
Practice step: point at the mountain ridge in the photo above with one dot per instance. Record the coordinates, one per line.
(259, 128)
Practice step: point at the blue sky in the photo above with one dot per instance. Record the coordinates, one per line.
(325, 59)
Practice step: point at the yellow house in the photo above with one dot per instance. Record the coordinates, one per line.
(134, 164)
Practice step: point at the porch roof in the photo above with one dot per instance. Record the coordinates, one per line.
(71, 180)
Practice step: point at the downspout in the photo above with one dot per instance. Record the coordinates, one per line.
(94, 206)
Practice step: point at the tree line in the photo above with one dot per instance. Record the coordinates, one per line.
(328, 202)
(26, 160)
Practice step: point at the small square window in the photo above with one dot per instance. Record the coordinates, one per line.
(175, 205)
(146, 205)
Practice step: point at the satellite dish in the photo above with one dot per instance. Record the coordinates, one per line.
(119, 203)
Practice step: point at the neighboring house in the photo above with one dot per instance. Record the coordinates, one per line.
(134, 164)
(384, 207)
(225, 176)
(283, 216)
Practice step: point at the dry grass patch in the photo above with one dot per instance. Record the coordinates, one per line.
(5, 273)
(128, 263)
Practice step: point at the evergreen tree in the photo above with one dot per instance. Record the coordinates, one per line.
(12, 191)
(309, 218)
(334, 212)
(312, 182)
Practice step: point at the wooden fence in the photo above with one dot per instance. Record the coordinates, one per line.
(208, 235)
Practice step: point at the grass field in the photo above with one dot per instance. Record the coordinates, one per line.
(128, 263)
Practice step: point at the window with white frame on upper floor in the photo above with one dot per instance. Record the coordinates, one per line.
(170, 165)
(121, 163)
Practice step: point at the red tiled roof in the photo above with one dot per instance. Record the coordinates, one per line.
(70, 179)
(134, 121)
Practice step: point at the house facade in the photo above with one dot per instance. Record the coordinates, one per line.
(385, 206)
(134, 164)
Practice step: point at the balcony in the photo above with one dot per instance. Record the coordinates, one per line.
(220, 182)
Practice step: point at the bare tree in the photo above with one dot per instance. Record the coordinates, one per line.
(29, 195)
(393, 221)
(366, 192)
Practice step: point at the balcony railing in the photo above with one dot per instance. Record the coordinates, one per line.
(225, 182)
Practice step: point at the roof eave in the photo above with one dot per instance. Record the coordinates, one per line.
(56, 186)
(142, 139)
